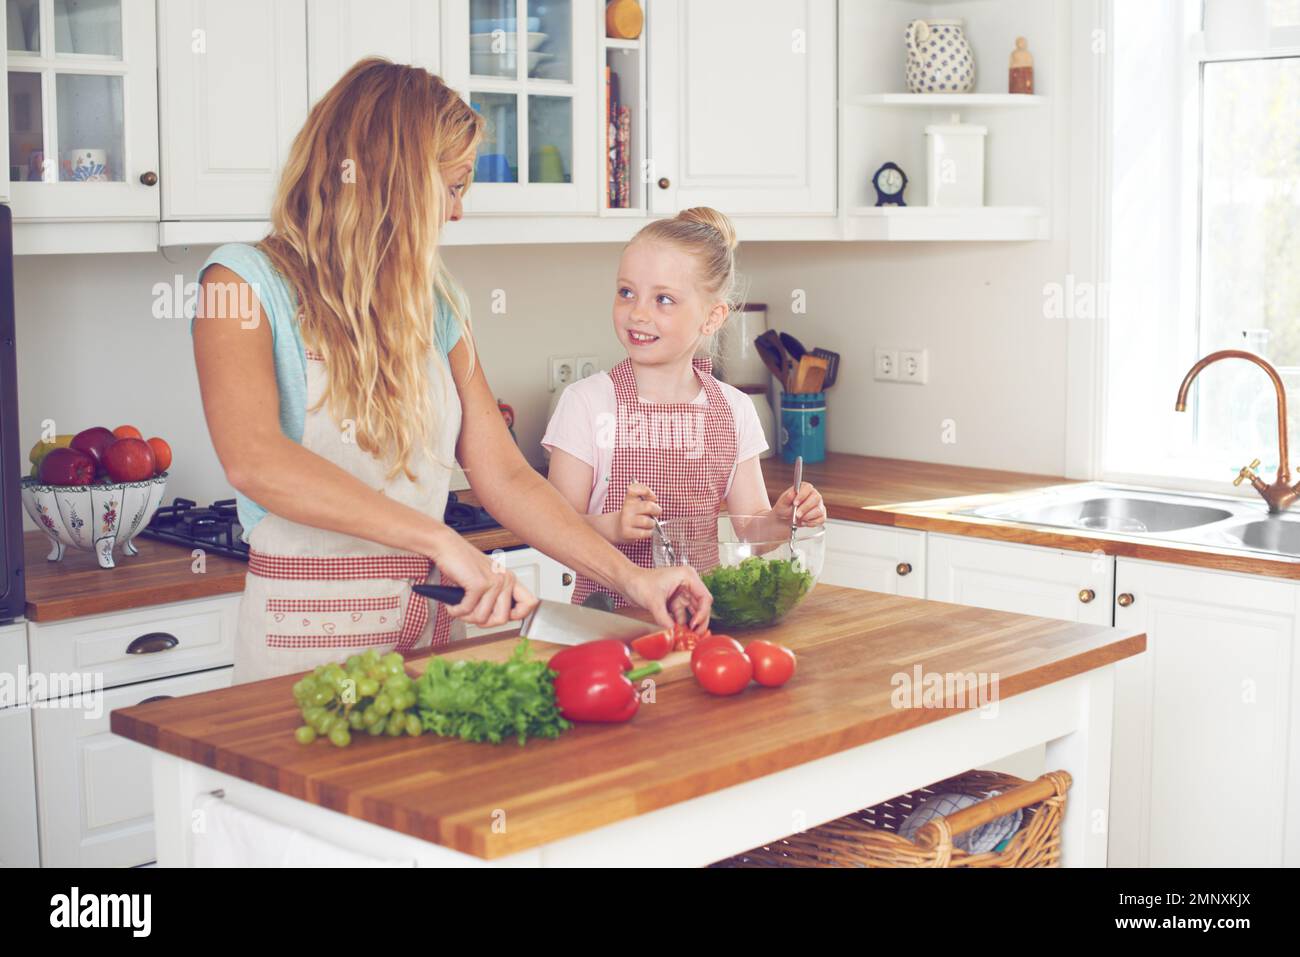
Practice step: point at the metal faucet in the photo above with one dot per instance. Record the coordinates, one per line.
(1281, 493)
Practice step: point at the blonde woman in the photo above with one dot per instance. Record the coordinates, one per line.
(339, 382)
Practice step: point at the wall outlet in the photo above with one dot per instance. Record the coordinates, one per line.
(886, 365)
(561, 372)
(914, 366)
(586, 366)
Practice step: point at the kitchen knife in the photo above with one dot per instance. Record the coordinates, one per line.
(559, 623)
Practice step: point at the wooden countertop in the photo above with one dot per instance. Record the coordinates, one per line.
(688, 743)
(851, 483)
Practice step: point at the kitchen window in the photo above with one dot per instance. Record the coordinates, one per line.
(1203, 254)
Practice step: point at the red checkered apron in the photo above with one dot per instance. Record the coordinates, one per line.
(685, 452)
(312, 595)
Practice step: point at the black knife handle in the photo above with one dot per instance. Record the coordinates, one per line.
(443, 593)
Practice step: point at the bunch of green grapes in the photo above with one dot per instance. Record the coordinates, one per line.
(366, 693)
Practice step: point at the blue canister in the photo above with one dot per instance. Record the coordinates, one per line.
(803, 426)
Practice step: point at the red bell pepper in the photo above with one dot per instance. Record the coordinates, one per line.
(599, 690)
(609, 650)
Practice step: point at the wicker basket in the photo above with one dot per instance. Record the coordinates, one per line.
(869, 838)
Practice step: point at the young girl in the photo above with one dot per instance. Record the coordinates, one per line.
(658, 436)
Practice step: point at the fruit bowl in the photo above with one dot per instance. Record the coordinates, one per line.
(95, 517)
(755, 574)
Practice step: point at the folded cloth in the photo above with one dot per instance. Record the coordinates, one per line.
(228, 836)
(977, 840)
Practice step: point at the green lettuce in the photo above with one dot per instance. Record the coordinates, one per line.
(758, 591)
(489, 701)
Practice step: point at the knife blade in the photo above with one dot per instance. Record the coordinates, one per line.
(559, 623)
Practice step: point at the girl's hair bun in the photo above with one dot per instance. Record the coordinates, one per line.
(708, 216)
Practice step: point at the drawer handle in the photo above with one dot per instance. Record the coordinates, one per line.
(1125, 600)
(904, 568)
(566, 579)
(157, 697)
(1086, 595)
(152, 643)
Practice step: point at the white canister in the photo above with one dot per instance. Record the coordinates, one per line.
(955, 164)
(738, 361)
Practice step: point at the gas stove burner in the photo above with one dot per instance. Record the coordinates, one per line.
(215, 528)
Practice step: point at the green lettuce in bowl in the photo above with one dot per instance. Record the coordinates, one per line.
(758, 591)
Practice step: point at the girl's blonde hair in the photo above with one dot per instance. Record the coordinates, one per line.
(710, 239)
(355, 230)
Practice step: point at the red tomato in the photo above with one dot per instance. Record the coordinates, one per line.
(773, 664)
(127, 432)
(713, 642)
(162, 453)
(653, 647)
(723, 671)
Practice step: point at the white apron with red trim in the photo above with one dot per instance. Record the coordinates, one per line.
(314, 596)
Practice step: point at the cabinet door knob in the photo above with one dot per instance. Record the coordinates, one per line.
(1125, 600)
(149, 179)
(152, 643)
(1086, 595)
(904, 568)
(566, 579)
(664, 182)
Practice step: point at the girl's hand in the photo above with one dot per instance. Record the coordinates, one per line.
(492, 595)
(808, 506)
(672, 595)
(636, 517)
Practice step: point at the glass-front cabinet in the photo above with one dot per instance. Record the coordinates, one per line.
(82, 109)
(529, 66)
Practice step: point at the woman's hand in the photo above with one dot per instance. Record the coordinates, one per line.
(672, 595)
(493, 597)
(636, 517)
(808, 506)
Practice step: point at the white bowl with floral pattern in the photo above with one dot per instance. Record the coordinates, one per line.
(94, 518)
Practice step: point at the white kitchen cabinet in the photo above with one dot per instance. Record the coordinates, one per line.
(541, 150)
(542, 575)
(233, 94)
(82, 113)
(742, 105)
(94, 789)
(341, 32)
(875, 558)
(1027, 579)
(1206, 763)
(18, 843)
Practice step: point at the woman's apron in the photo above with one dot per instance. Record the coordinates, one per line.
(314, 596)
(684, 452)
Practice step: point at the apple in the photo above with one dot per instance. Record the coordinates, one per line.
(129, 460)
(162, 454)
(94, 442)
(67, 467)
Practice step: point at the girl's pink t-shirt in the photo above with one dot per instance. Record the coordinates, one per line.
(587, 411)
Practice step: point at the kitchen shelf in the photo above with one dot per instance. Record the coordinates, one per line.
(613, 43)
(948, 100)
(933, 224)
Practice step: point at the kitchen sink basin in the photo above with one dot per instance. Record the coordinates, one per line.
(1269, 535)
(1111, 513)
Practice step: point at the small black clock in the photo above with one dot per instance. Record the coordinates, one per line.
(889, 181)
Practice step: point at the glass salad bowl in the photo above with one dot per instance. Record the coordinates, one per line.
(750, 565)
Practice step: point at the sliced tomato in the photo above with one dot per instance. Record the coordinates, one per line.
(723, 671)
(683, 638)
(773, 663)
(653, 647)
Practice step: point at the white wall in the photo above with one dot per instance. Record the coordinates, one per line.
(91, 352)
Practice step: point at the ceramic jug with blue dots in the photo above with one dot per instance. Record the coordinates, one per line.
(939, 60)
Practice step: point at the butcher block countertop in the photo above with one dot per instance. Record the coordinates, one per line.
(686, 744)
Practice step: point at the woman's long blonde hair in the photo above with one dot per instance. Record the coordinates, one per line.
(355, 231)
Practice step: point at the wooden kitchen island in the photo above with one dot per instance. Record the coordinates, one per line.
(692, 778)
